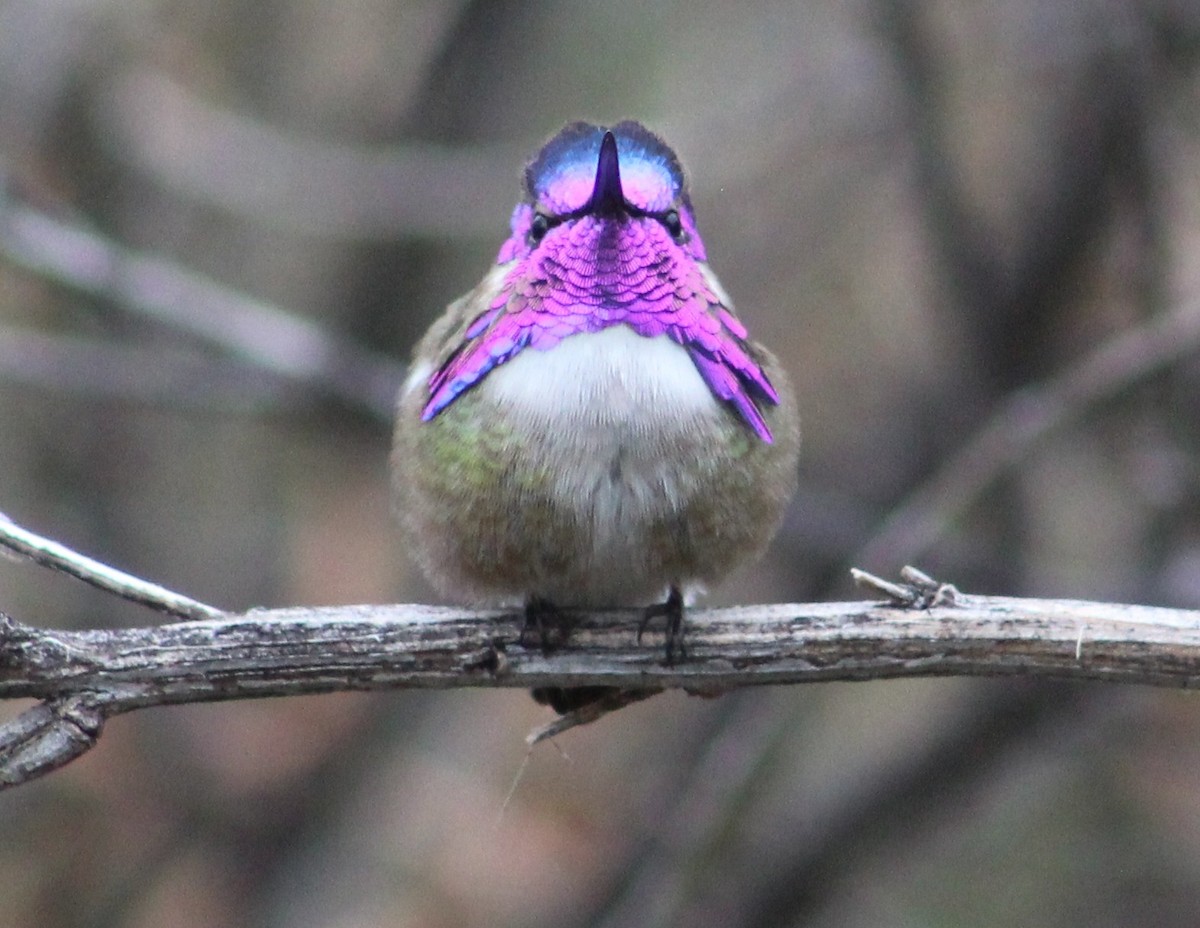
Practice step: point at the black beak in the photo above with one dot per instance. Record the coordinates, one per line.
(607, 197)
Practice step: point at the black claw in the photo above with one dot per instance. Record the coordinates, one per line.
(672, 610)
(552, 626)
(545, 618)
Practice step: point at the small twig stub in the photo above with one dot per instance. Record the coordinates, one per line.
(917, 589)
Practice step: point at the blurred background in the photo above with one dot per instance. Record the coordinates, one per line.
(970, 230)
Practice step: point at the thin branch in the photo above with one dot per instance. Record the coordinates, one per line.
(160, 289)
(56, 556)
(190, 377)
(84, 677)
(1027, 417)
(922, 628)
(305, 184)
(947, 767)
(666, 876)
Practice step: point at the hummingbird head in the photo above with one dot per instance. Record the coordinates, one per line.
(624, 180)
(605, 235)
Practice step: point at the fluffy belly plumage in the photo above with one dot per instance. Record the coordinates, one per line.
(598, 473)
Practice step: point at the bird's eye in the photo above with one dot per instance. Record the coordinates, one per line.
(538, 228)
(672, 224)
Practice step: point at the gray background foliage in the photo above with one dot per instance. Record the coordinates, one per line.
(923, 209)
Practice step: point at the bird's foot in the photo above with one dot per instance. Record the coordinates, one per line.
(552, 625)
(547, 621)
(672, 611)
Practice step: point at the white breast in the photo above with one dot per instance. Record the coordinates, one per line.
(614, 377)
(621, 421)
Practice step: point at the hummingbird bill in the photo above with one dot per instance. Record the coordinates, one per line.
(591, 426)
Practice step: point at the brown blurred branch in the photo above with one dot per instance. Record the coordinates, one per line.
(150, 373)
(332, 188)
(1026, 417)
(81, 678)
(155, 287)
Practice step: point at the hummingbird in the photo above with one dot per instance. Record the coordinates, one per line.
(591, 426)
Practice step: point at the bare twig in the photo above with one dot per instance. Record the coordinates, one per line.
(191, 377)
(723, 782)
(586, 714)
(56, 556)
(259, 171)
(1026, 418)
(160, 289)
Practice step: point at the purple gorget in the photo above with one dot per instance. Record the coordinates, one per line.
(607, 237)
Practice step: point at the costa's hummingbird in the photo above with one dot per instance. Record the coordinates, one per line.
(591, 426)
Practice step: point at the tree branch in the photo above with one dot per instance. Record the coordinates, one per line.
(84, 677)
(51, 554)
(1025, 418)
(920, 628)
(157, 288)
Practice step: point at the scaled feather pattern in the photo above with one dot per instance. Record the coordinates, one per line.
(640, 267)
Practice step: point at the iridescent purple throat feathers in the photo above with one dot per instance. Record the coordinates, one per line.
(606, 236)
